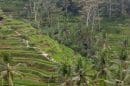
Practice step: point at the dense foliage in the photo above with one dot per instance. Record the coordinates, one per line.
(72, 22)
(96, 32)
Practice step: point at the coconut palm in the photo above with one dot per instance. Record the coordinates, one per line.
(8, 71)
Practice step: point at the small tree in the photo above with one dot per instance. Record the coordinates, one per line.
(65, 72)
(81, 77)
(8, 71)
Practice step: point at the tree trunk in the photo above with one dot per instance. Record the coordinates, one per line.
(35, 12)
(123, 7)
(88, 17)
(9, 77)
(110, 8)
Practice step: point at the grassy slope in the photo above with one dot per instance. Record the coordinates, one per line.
(10, 41)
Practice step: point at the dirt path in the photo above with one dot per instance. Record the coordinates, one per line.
(44, 54)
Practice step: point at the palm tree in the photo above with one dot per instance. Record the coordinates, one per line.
(8, 71)
(103, 71)
(123, 64)
(102, 66)
(65, 71)
(122, 72)
(80, 76)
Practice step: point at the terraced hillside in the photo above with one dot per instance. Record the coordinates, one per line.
(39, 53)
